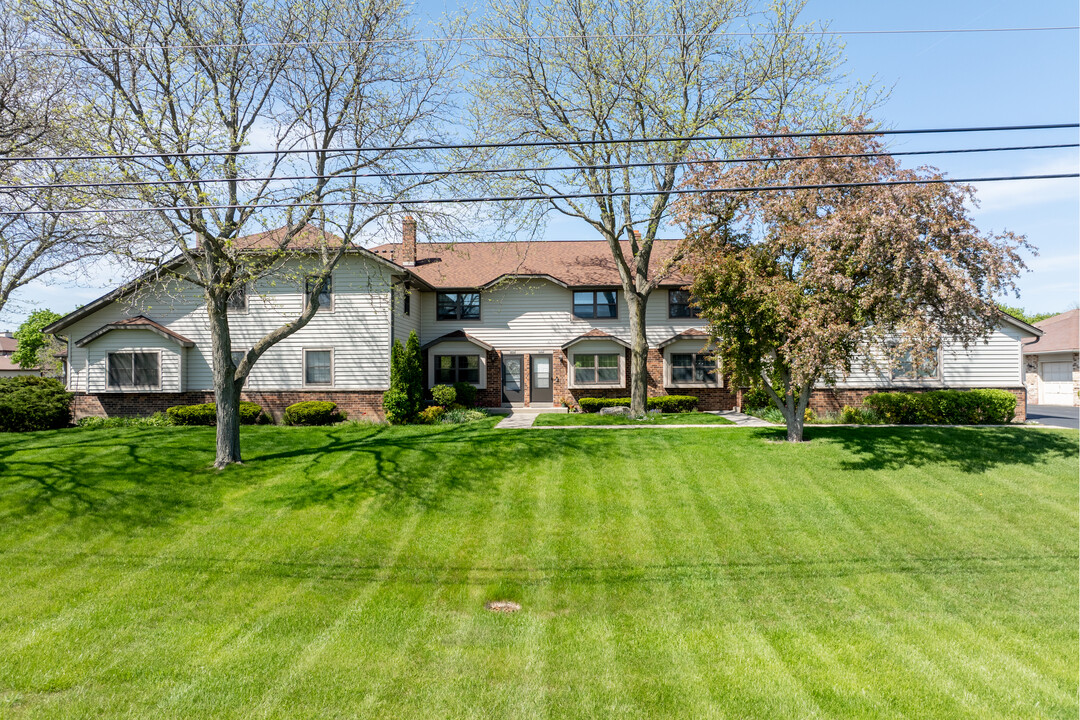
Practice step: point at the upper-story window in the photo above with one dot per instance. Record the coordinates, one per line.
(907, 369)
(596, 304)
(326, 294)
(457, 306)
(134, 370)
(679, 304)
(406, 300)
(238, 298)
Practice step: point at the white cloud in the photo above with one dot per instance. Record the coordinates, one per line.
(1013, 194)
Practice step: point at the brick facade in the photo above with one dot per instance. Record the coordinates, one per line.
(832, 400)
(358, 404)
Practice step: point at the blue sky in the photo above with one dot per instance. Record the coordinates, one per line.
(937, 81)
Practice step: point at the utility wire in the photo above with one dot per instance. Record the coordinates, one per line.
(524, 198)
(529, 38)
(548, 143)
(498, 171)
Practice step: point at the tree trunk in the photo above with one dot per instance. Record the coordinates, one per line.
(639, 356)
(226, 389)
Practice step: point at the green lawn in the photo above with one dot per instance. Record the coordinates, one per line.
(689, 418)
(689, 573)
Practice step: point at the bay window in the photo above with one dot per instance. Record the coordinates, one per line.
(134, 370)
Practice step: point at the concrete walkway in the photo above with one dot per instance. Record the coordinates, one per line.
(520, 419)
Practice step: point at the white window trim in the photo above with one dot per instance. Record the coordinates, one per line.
(303, 367)
(322, 308)
(136, 388)
(572, 382)
(668, 382)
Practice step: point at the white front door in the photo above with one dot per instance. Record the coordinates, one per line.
(1057, 383)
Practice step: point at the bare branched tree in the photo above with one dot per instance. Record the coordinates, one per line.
(221, 77)
(578, 72)
(39, 118)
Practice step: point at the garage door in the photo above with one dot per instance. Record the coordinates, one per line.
(1057, 384)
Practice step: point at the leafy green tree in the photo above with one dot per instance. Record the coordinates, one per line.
(413, 372)
(36, 349)
(798, 284)
(1022, 314)
(581, 73)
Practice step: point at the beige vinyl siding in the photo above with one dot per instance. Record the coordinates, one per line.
(405, 324)
(95, 375)
(993, 363)
(358, 328)
(538, 315)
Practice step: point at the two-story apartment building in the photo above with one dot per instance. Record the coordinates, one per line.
(529, 323)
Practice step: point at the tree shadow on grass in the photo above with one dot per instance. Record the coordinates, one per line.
(970, 450)
(417, 467)
(122, 479)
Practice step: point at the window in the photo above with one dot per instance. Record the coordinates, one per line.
(134, 370)
(406, 300)
(457, 306)
(238, 298)
(692, 368)
(326, 295)
(679, 304)
(596, 369)
(238, 357)
(907, 369)
(450, 369)
(596, 304)
(318, 367)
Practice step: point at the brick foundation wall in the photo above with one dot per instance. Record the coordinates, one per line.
(357, 403)
(832, 400)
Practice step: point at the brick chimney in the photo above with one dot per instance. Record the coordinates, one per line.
(408, 241)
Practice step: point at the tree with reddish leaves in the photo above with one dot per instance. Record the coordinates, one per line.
(799, 284)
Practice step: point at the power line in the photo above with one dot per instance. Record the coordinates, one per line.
(497, 171)
(530, 38)
(525, 198)
(546, 143)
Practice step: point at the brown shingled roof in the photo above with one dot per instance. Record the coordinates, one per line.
(8, 344)
(578, 263)
(1060, 333)
(310, 237)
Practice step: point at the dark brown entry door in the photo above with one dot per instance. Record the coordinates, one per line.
(540, 379)
(513, 376)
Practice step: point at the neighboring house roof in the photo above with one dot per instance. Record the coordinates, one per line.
(576, 263)
(8, 345)
(139, 322)
(1060, 333)
(458, 335)
(7, 366)
(595, 334)
(308, 239)
(691, 334)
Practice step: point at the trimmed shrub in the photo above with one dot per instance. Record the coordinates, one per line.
(33, 403)
(206, 414)
(756, 397)
(443, 395)
(944, 407)
(396, 406)
(313, 412)
(466, 393)
(158, 419)
(431, 415)
(663, 403)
